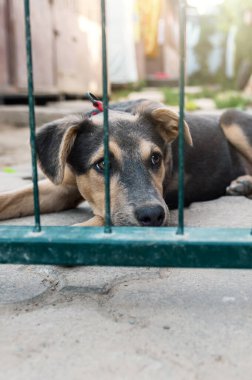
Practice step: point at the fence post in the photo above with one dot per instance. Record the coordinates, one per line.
(182, 28)
(107, 228)
(32, 122)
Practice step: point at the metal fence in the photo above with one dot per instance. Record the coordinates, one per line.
(124, 246)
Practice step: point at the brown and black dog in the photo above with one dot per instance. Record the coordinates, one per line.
(144, 163)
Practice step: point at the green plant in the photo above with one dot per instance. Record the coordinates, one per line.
(117, 95)
(171, 96)
(124, 90)
(232, 99)
(204, 92)
(222, 99)
(190, 105)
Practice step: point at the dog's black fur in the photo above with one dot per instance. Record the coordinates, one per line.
(144, 163)
(212, 163)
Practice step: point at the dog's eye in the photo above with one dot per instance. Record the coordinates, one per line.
(99, 166)
(156, 159)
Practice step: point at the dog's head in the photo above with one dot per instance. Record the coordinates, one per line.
(140, 160)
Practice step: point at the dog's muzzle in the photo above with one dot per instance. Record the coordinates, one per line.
(150, 216)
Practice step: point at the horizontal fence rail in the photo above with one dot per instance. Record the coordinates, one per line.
(122, 246)
(134, 246)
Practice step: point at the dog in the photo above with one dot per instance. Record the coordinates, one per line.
(143, 151)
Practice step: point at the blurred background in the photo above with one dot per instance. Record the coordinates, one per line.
(143, 51)
(143, 62)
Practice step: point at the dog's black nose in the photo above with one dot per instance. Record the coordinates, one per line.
(149, 216)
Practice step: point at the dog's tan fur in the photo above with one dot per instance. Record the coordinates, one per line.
(66, 190)
(53, 198)
(146, 148)
(113, 148)
(237, 138)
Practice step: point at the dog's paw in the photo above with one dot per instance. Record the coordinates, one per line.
(96, 221)
(241, 186)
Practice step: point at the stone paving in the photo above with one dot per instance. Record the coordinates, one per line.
(123, 323)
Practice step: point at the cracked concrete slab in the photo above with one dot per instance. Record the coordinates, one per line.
(30, 283)
(178, 324)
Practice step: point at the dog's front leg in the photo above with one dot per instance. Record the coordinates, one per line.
(52, 198)
(96, 221)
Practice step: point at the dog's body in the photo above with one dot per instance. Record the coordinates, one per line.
(144, 163)
(214, 161)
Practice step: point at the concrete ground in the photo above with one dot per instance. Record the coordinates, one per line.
(122, 323)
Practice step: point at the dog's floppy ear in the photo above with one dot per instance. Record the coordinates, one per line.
(166, 120)
(53, 143)
(169, 122)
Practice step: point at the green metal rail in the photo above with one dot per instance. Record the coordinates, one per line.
(107, 228)
(32, 120)
(182, 23)
(162, 247)
(122, 246)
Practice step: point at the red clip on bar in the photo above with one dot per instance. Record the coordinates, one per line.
(96, 103)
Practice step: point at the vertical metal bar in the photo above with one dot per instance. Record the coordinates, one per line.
(182, 27)
(107, 228)
(37, 226)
